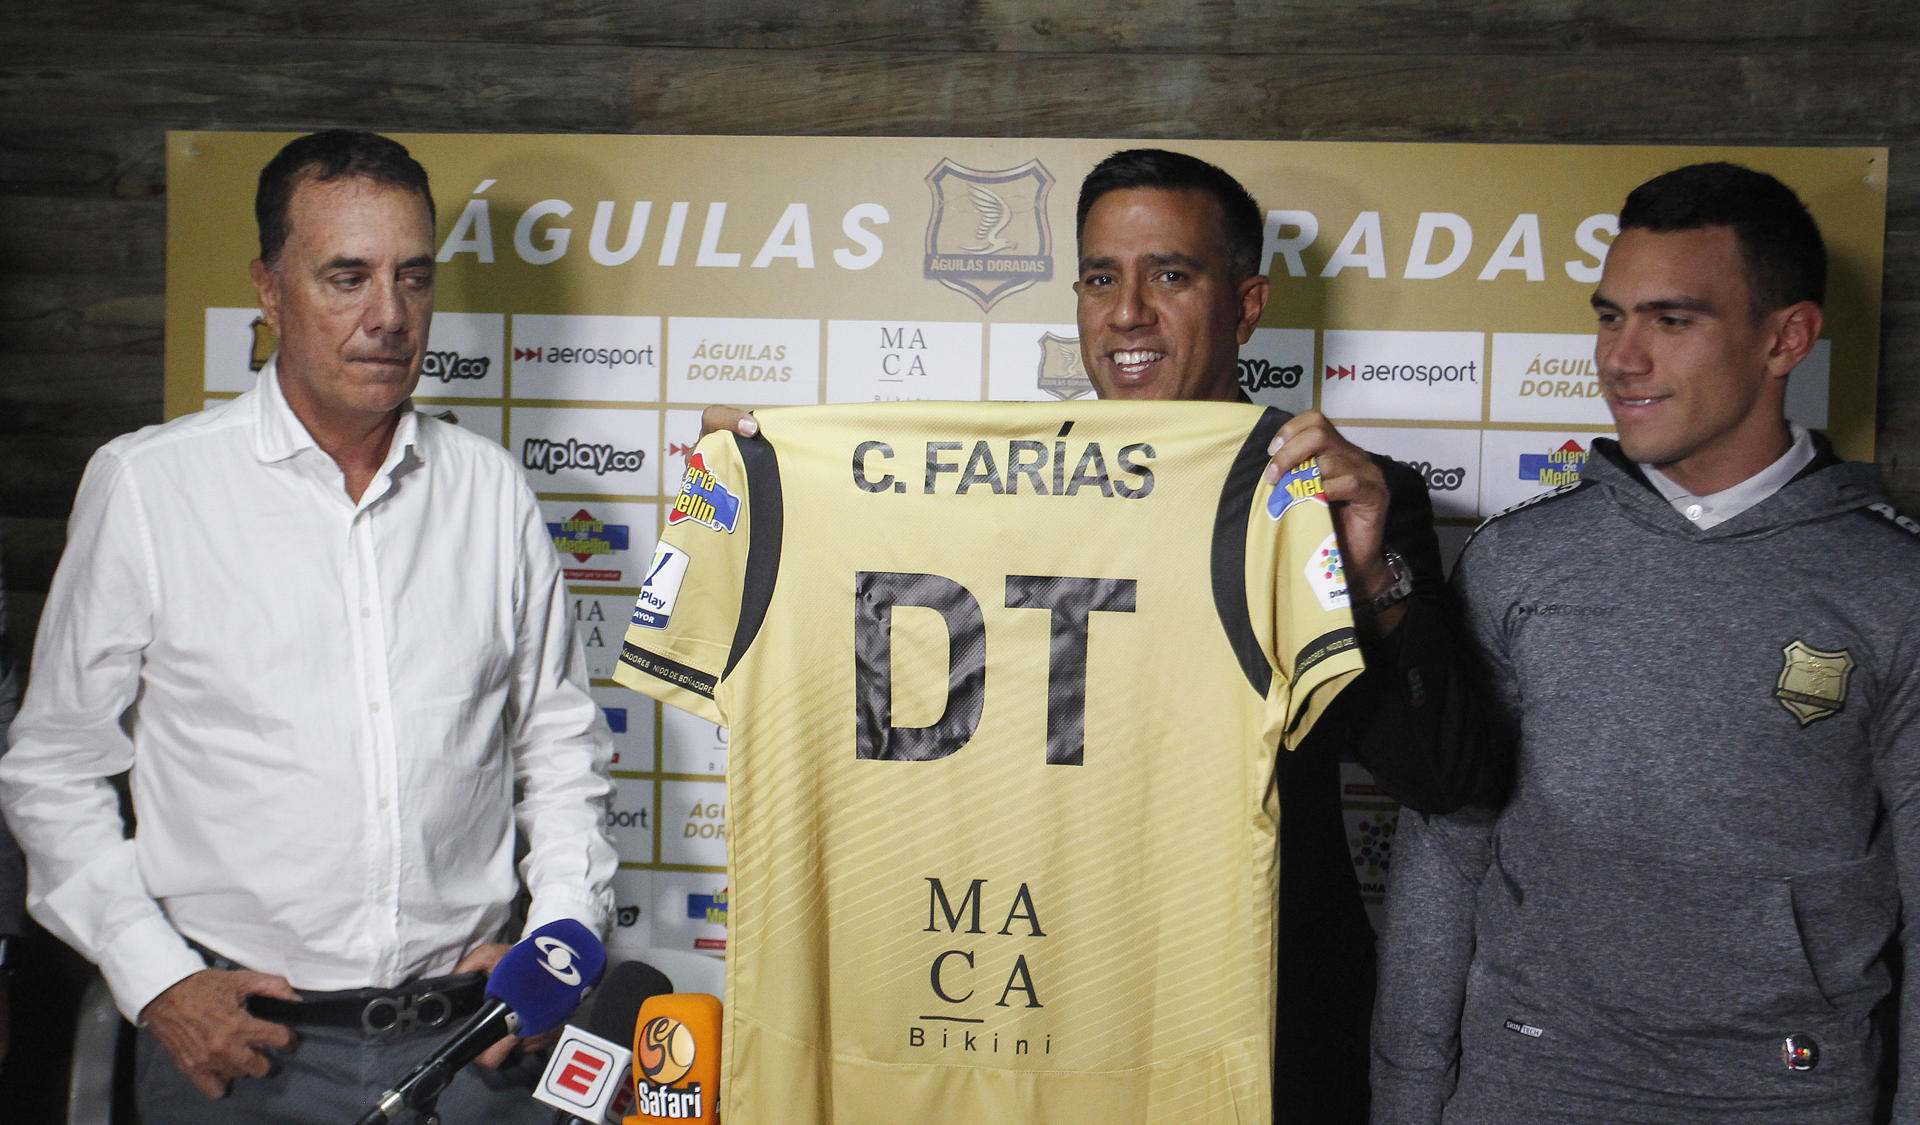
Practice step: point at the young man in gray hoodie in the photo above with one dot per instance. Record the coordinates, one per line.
(1709, 647)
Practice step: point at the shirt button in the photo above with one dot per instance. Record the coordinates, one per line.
(374, 707)
(1693, 511)
(1800, 1052)
(384, 803)
(366, 611)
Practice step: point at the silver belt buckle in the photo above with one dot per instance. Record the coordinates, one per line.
(398, 1015)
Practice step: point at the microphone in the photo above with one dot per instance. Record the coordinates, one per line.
(535, 985)
(676, 1060)
(586, 1077)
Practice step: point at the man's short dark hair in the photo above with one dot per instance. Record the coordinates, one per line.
(326, 156)
(1786, 259)
(1176, 171)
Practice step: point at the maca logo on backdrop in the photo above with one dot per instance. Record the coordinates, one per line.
(598, 458)
(1554, 467)
(987, 235)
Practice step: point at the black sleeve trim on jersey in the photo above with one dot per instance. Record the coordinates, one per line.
(672, 671)
(763, 553)
(1230, 551)
(1322, 647)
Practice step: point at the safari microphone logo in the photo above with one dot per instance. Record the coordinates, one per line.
(667, 1050)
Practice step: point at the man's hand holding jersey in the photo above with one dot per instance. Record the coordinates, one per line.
(1356, 491)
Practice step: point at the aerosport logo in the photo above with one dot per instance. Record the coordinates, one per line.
(588, 357)
(1468, 372)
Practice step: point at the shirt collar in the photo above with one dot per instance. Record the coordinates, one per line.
(279, 434)
(1711, 511)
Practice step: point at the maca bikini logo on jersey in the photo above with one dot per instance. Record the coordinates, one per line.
(1813, 684)
(703, 499)
(1300, 485)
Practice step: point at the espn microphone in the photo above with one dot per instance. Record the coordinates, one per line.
(676, 1060)
(587, 1075)
(536, 985)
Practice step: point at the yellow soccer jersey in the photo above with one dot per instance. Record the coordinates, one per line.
(1005, 684)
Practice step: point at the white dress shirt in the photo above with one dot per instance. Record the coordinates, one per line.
(1709, 512)
(327, 708)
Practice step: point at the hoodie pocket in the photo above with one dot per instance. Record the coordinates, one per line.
(1695, 951)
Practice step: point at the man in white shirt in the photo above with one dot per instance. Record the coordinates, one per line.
(330, 639)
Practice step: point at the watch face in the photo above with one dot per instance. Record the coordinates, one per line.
(1393, 595)
(1402, 575)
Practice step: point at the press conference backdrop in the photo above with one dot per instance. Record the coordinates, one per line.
(596, 292)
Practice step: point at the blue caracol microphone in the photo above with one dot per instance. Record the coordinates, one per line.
(536, 985)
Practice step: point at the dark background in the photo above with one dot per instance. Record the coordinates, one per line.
(89, 87)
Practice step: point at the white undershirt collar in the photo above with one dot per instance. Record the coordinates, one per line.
(1710, 511)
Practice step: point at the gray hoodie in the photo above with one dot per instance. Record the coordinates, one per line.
(1719, 766)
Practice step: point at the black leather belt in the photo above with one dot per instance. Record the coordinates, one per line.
(422, 1005)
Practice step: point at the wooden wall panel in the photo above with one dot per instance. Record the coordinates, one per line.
(944, 26)
(89, 87)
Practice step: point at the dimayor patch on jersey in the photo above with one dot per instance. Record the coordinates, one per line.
(654, 607)
(1300, 485)
(703, 499)
(1327, 575)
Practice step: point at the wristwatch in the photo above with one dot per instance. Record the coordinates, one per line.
(1393, 595)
